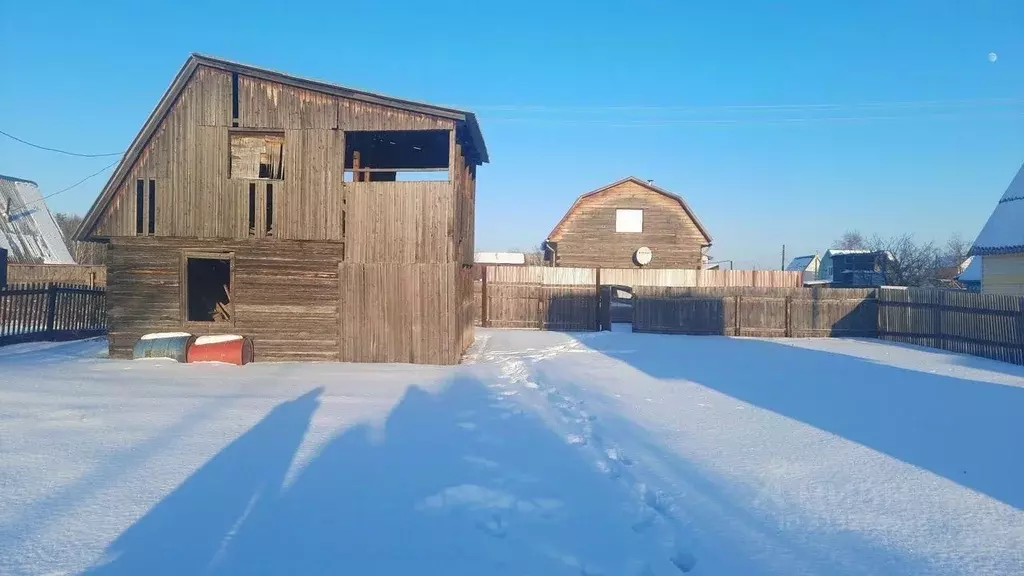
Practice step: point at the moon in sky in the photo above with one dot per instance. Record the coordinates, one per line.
(992, 56)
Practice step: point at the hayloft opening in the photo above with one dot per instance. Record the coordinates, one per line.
(257, 156)
(396, 155)
(208, 288)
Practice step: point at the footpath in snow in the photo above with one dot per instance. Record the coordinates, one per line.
(547, 453)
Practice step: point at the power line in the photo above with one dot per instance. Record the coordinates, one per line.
(911, 104)
(82, 181)
(57, 150)
(25, 205)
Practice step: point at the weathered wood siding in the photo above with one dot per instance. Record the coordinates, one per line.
(284, 294)
(400, 313)
(588, 238)
(760, 312)
(78, 275)
(188, 158)
(285, 290)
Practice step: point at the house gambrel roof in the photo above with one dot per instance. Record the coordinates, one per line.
(479, 149)
(686, 207)
(1004, 231)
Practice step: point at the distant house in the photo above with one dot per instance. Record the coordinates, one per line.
(27, 229)
(1000, 245)
(808, 265)
(608, 227)
(855, 268)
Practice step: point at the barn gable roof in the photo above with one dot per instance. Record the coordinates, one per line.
(1004, 231)
(686, 207)
(196, 60)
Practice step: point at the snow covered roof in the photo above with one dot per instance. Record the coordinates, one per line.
(841, 251)
(499, 258)
(27, 229)
(1004, 231)
(971, 270)
(801, 263)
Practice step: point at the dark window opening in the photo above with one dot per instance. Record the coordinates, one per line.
(234, 99)
(152, 206)
(396, 155)
(270, 209)
(252, 209)
(208, 289)
(257, 156)
(140, 214)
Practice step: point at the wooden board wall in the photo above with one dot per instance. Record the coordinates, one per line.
(588, 238)
(400, 313)
(188, 158)
(283, 294)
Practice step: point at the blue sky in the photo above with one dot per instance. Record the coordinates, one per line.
(780, 123)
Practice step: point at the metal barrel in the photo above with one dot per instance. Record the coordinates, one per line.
(230, 349)
(172, 345)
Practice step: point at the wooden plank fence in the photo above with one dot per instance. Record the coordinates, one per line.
(986, 325)
(48, 312)
(91, 276)
(755, 311)
(558, 298)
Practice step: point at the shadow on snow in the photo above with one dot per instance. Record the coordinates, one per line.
(967, 431)
(461, 482)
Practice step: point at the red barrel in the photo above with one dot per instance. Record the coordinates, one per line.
(227, 348)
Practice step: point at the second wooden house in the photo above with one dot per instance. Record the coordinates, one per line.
(630, 223)
(323, 222)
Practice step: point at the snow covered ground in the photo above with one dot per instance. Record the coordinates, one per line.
(547, 454)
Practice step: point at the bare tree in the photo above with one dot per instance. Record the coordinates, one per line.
(83, 252)
(912, 263)
(956, 250)
(851, 240)
(534, 257)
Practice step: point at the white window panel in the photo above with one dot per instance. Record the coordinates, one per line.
(629, 220)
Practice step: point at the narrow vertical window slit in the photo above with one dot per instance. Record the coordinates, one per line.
(140, 214)
(152, 206)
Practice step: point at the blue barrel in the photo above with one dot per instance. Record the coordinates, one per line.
(171, 345)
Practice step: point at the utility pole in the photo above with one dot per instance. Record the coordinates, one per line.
(783, 257)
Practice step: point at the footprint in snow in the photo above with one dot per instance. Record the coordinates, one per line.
(684, 561)
(495, 527)
(576, 440)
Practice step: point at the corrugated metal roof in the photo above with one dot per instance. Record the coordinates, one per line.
(1004, 231)
(27, 229)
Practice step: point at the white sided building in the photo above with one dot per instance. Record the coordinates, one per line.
(1000, 245)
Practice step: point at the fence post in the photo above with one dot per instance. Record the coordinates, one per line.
(485, 320)
(598, 319)
(739, 325)
(789, 317)
(51, 310)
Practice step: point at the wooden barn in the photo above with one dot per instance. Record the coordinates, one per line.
(609, 227)
(323, 222)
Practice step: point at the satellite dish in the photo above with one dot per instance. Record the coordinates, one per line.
(643, 256)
